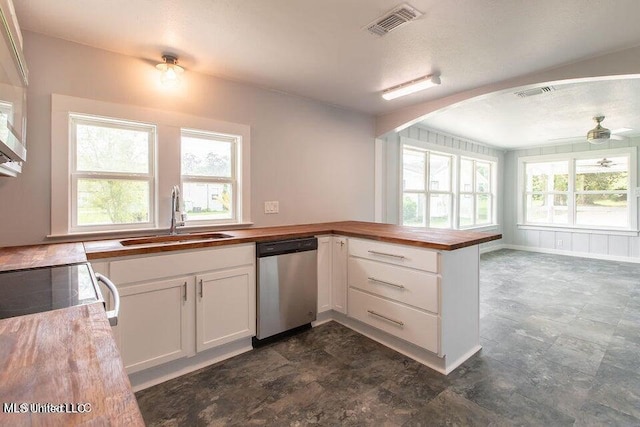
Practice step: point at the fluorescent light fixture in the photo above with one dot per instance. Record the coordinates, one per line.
(411, 87)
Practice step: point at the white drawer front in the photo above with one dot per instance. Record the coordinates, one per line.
(416, 288)
(404, 322)
(422, 259)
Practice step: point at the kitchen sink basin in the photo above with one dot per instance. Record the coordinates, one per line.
(175, 238)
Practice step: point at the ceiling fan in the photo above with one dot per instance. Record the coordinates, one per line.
(598, 165)
(598, 135)
(605, 163)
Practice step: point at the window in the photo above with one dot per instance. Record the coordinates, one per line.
(582, 190)
(547, 192)
(113, 167)
(434, 196)
(112, 173)
(426, 185)
(209, 176)
(601, 192)
(476, 192)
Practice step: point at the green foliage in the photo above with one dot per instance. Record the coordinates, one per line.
(409, 211)
(112, 202)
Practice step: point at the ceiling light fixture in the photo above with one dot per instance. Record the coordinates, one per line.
(598, 134)
(170, 70)
(411, 87)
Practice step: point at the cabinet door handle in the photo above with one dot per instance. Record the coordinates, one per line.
(373, 279)
(185, 291)
(397, 322)
(386, 254)
(201, 289)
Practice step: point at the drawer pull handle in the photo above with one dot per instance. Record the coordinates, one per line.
(386, 254)
(382, 282)
(184, 286)
(201, 289)
(386, 318)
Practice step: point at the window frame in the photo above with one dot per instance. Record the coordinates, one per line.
(456, 157)
(235, 181)
(571, 158)
(552, 193)
(492, 193)
(75, 174)
(166, 163)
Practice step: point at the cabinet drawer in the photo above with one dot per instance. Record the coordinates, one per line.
(422, 259)
(407, 323)
(412, 287)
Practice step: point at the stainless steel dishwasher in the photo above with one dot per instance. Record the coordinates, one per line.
(287, 286)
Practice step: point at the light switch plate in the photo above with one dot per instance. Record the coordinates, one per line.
(272, 207)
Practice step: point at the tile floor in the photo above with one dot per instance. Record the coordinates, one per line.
(561, 346)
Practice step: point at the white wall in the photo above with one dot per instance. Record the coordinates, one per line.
(315, 159)
(391, 164)
(578, 243)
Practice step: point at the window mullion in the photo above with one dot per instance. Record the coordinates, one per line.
(571, 192)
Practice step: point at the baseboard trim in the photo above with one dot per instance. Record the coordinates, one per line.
(603, 257)
(453, 365)
(170, 370)
(485, 249)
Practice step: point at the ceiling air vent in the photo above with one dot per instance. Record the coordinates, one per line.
(535, 91)
(393, 19)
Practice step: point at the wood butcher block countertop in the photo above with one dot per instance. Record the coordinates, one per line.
(67, 357)
(446, 240)
(22, 257)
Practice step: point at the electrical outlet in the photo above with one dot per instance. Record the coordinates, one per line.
(559, 243)
(272, 207)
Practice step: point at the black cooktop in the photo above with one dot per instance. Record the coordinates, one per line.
(44, 289)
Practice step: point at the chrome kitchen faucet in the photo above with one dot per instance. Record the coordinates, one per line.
(175, 208)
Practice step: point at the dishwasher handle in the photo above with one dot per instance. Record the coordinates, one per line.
(113, 314)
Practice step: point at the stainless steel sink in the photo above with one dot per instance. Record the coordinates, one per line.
(174, 238)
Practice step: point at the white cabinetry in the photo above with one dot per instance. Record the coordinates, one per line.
(424, 297)
(225, 309)
(332, 274)
(324, 273)
(154, 323)
(13, 93)
(339, 256)
(177, 304)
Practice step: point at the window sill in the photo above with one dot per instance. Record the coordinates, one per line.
(145, 231)
(582, 230)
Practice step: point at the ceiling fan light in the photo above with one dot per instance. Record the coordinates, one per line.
(599, 134)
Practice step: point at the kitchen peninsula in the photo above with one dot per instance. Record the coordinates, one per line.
(414, 290)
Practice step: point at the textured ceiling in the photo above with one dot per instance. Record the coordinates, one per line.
(506, 120)
(318, 49)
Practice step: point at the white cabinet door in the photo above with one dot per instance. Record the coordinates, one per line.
(226, 306)
(153, 323)
(324, 273)
(339, 256)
